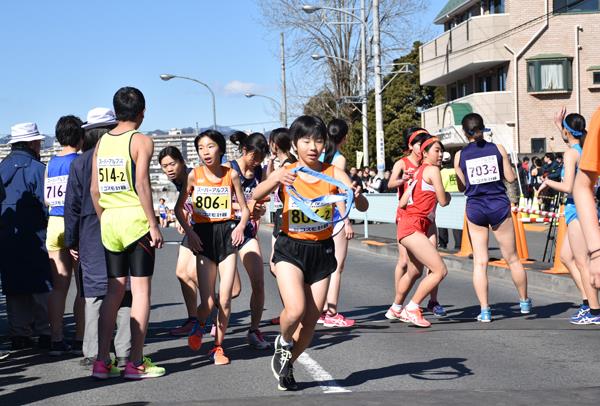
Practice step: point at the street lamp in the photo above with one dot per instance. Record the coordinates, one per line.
(282, 115)
(309, 9)
(166, 77)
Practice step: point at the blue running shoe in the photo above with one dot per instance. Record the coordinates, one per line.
(583, 318)
(525, 306)
(582, 311)
(436, 308)
(591, 319)
(485, 316)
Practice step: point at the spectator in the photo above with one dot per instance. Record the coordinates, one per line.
(356, 179)
(451, 186)
(550, 171)
(375, 182)
(383, 188)
(25, 266)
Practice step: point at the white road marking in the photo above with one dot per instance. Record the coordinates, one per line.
(324, 378)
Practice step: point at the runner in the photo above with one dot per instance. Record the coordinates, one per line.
(303, 250)
(83, 237)
(70, 135)
(254, 149)
(214, 236)
(402, 173)
(342, 230)
(280, 144)
(574, 250)
(163, 212)
(583, 193)
(173, 165)
(416, 226)
(122, 197)
(481, 167)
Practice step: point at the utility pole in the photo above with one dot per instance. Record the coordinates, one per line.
(363, 67)
(283, 86)
(379, 136)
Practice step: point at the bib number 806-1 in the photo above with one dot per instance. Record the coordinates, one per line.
(209, 202)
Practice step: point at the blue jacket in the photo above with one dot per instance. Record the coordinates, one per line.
(82, 228)
(25, 266)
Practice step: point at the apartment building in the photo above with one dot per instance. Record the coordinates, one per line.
(515, 62)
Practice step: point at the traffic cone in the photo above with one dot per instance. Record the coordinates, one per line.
(559, 267)
(535, 205)
(523, 203)
(520, 237)
(465, 244)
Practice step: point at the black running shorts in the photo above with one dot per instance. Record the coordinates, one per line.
(216, 240)
(136, 260)
(316, 259)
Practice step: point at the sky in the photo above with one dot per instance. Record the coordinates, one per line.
(67, 56)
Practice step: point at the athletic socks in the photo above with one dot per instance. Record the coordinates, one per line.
(412, 306)
(595, 312)
(396, 307)
(586, 302)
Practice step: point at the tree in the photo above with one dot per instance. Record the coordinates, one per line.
(336, 34)
(403, 99)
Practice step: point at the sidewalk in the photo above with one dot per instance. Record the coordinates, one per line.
(382, 241)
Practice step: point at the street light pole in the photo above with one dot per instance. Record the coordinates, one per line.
(167, 76)
(309, 9)
(363, 68)
(281, 113)
(379, 135)
(283, 106)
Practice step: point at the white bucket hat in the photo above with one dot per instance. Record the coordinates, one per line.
(24, 132)
(99, 117)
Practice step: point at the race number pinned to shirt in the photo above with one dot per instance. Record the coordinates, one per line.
(212, 202)
(112, 175)
(277, 203)
(301, 223)
(247, 197)
(483, 170)
(56, 188)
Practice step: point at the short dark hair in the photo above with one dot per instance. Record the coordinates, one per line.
(255, 142)
(526, 159)
(216, 137)
(308, 126)
(91, 136)
(128, 103)
(68, 131)
(172, 152)
(550, 156)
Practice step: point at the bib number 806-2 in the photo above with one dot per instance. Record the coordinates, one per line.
(300, 218)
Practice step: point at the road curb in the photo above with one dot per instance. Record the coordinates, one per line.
(561, 284)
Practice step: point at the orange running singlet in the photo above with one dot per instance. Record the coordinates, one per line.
(298, 225)
(212, 201)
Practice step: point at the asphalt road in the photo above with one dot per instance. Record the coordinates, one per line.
(513, 360)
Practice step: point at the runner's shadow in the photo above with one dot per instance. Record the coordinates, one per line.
(366, 313)
(440, 369)
(508, 310)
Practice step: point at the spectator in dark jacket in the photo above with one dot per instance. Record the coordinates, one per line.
(25, 266)
(82, 236)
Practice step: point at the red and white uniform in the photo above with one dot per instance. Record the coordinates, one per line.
(420, 210)
(409, 170)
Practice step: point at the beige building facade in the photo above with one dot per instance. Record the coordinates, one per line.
(515, 62)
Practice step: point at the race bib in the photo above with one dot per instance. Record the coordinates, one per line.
(483, 170)
(56, 188)
(301, 223)
(411, 189)
(112, 175)
(213, 202)
(247, 196)
(277, 203)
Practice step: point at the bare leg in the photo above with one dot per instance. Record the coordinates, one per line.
(505, 235)
(61, 266)
(582, 260)
(188, 278)
(479, 240)
(333, 295)
(108, 316)
(315, 295)
(141, 287)
(227, 273)
(567, 258)
(253, 262)
(290, 281)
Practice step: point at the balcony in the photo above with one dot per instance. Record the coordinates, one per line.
(461, 51)
(496, 108)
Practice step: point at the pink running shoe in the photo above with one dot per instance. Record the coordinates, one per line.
(184, 329)
(415, 317)
(322, 318)
(337, 321)
(392, 314)
(102, 370)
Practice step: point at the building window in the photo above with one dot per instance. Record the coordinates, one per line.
(484, 84)
(538, 145)
(596, 77)
(501, 79)
(545, 75)
(576, 6)
(496, 6)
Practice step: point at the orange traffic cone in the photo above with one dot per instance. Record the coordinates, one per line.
(559, 267)
(520, 238)
(465, 244)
